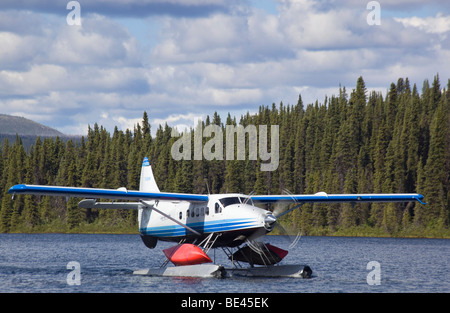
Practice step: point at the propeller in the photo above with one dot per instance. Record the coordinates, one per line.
(281, 209)
(291, 239)
(272, 222)
(256, 250)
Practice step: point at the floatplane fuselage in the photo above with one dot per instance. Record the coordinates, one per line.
(233, 217)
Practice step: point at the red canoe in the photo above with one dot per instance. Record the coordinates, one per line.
(186, 254)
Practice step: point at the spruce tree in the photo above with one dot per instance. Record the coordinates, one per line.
(31, 214)
(437, 166)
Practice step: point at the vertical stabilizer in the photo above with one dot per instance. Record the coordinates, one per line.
(148, 182)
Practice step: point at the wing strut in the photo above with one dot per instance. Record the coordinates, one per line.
(150, 206)
(290, 210)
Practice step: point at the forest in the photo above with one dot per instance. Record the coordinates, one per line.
(353, 142)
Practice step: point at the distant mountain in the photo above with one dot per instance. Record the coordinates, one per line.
(12, 125)
(28, 131)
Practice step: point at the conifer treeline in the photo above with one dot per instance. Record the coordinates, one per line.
(357, 143)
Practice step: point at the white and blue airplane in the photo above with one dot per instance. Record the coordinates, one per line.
(233, 219)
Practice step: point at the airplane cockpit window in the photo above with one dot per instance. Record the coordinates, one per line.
(246, 200)
(230, 200)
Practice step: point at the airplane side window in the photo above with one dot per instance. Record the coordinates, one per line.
(181, 215)
(217, 208)
(202, 211)
(196, 212)
(192, 213)
(187, 213)
(207, 210)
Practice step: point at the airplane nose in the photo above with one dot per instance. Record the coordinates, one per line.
(269, 221)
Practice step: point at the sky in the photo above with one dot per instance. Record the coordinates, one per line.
(181, 60)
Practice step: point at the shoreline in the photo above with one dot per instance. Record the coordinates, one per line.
(374, 233)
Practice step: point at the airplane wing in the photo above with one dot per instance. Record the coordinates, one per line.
(322, 197)
(97, 193)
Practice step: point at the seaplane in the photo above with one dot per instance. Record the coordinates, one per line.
(196, 223)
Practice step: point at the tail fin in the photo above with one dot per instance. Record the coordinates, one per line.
(148, 182)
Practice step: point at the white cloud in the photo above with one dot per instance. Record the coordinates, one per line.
(438, 24)
(124, 123)
(98, 41)
(40, 78)
(181, 122)
(307, 27)
(15, 50)
(229, 57)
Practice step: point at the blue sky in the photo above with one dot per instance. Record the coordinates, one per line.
(181, 60)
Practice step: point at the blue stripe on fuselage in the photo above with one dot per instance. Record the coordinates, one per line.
(202, 227)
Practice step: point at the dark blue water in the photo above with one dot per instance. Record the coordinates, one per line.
(38, 263)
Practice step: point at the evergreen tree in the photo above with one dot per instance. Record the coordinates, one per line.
(362, 143)
(74, 216)
(31, 214)
(436, 185)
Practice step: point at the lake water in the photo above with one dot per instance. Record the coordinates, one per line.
(38, 263)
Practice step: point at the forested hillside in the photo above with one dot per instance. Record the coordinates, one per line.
(353, 142)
